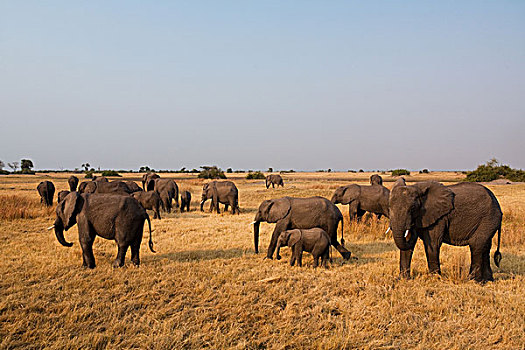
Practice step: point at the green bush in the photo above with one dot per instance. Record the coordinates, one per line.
(424, 171)
(399, 172)
(89, 174)
(110, 173)
(492, 170)
(4, 172)
(255, 176)
(211, 172)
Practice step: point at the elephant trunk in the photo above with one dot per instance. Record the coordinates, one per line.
(59, 233)
(256, 225)
(277, 255)
(202, 204)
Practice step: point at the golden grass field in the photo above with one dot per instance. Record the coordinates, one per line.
(205, 287)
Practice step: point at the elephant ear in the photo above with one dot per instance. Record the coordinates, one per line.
(436, 201)
(295, 236)
(278, 209)
(351, 193)
(70, 206)
(399, 182)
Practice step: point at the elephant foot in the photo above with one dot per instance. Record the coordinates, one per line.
(346, 255)
(117, 264)
(278, 257)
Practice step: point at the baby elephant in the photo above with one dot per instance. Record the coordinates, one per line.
(149, 200)
(314, 240)
(185, 199)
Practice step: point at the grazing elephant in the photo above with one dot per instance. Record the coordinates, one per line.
(314, 240)
(185, 199)
(299, 213)
(373, 198)
(150, 201)
(114, 187)
(46, 190)
(73, 183)
(274, 180)
(119, 218)
(224, 192)
(461, 214)
(61, 195)
(148, 181)
(168, 190)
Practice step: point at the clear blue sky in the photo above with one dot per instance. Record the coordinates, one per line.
(258, 84)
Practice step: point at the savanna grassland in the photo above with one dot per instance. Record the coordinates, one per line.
(205, 287)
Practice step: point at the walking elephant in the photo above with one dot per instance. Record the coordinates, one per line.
(461, 214)
(362, 199)
(224, 192)
(274, 179)
(114, 187)
(118, 218)
(299, 213)
(185, 199)
(132, 186)
(148, 181)
(46, 190)
(73, 183)
(149, 200)
(168, 190)
(314, 240)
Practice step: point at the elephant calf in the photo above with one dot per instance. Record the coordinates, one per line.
(46, 190)
(185, 199)
(315, 241)
(115, 217)
(149, 200)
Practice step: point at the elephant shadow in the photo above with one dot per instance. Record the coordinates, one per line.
(511, 265)
(369, 252)
(202, 255)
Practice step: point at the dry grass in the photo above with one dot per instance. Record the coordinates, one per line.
(204, 287)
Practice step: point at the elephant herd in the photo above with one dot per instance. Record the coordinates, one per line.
(461, 214)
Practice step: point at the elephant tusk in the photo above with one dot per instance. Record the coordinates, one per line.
(253, 222)
(388, 230)
(406, 233)
(50, 227)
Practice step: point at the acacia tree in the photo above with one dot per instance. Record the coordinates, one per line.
(13, 166)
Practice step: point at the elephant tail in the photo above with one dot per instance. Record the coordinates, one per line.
(342, 232)
(150, 243)
(497, 254)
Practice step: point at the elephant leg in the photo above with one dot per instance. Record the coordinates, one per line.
(226, 206)
(121, 255)
(359, 215)
(405, 258)
(379, 216)
(486, 270)
(332, 233)
(316, 261)
(352, 210)
(86, 238)
(157, 212)
(135, 250)
(280, 227)
(432, 248)
(212, 206)
(476, 263)
(299, 254)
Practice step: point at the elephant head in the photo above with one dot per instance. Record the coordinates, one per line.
(208, 191)
(417, 206)
(269, 211)
(288, 238)
(376, 180)
(66, 212)
(345, 194)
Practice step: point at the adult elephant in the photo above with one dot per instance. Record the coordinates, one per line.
(299, 213)
(73, 183)
(274, 179)
(362, 199)
(224, 192)
(46, 190)
(118, 218)
(461, 214)
(132, 185)
(148, 181)
(168, 190)
(114, 187)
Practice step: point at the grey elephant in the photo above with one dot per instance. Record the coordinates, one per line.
(61, 195)
(224, 192)
(168, 190)
(118, 218)
(132, 185)
(185, 199)
(362, 199)
(461, 214)
(114, 187)
(100, 179)
(149, 200)
(148, 181)
(299, 213)
(314, 240)
(73, 183)
(274, 179)
(46, 190)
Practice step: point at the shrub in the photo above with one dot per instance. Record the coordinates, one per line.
(492, 170)
(399, 172)
(255, 176)
(110, 173)
(211, 172)
(361, 171)
(89, 174)
(229, 170)
(424, 171)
